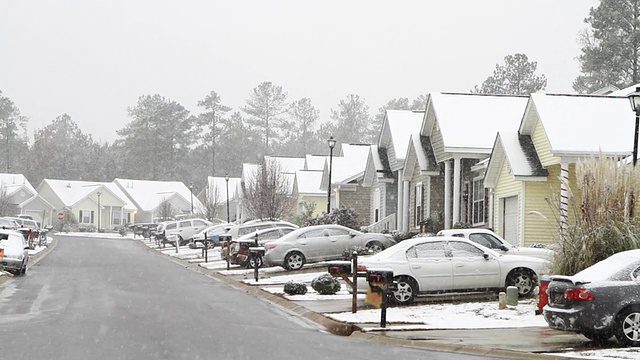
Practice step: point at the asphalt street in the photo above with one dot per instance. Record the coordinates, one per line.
(110, 298)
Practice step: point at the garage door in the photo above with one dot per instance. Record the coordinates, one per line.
(509, 219)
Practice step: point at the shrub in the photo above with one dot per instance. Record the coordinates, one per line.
(295, 288)
(401, 235)
(326, 284)
(343, 216)
(347, 254)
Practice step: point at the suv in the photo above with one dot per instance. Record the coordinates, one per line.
(183, 230)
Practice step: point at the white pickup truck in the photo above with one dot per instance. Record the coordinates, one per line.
(488, 238)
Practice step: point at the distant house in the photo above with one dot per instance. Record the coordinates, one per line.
(251, 173)
(94, 204)
(218, 192)
(347, 174)
(159, 200)
(307, 186)
(385, 164)
(22, 198)
(526, 166)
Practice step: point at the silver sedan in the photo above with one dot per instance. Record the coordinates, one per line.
(319, 243)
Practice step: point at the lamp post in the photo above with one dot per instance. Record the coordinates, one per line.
(99, 210)
(191, 191)
(226, 179)
(332, 144)
(634, 99)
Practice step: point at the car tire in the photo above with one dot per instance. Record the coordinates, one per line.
(524, 280)
(251, 263)
(406, 292)
(294, 261)
(181, 241)
(598, 337)
(375, 247)
(627, 326)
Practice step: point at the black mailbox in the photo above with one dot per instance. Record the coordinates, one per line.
(380, 279)
(339, 268)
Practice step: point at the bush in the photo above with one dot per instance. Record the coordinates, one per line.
(347, 254)
(295, 288)
(326, 284)
(401, 235)
(343, 216)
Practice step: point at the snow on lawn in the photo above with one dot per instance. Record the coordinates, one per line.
(604, 354)
(311, 294)
(276, 280)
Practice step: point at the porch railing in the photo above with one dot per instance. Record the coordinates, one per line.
(388, 224)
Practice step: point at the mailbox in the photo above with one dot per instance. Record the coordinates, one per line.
(339, 268)
(380, 280)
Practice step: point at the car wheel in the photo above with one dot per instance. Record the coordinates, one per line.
(524, 280)
(181, 241)
(598, 337)
(628, 326)
(251, 264)
(375, 247)
(407, 290)
(294, 261)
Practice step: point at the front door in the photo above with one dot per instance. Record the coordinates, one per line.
(431, 266)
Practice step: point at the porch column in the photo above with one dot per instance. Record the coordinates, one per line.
(405, 209)
(400, 201)
(456, 190)
(564, 199)
(447, 194)
(490, 209)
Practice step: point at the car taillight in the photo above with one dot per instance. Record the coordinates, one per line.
(579, 294)
(270, 246)
(362, 268)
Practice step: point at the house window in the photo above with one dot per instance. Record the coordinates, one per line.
(86, 216)
(116, 215)
(478, 201)
(418, 208)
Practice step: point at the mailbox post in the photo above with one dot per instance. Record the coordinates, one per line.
(381, 281)
(344, 269)
(225, 240)
(256, 253)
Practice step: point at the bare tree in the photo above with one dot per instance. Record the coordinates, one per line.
(268, 193)
(6, 207)
(213, 201)
(166, 211)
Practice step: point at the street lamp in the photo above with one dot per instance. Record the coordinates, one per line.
(332, 144)
(191, 191)
(634, 99)
(226, 178)
(99, 210)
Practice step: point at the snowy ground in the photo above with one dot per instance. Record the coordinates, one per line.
(472, 315)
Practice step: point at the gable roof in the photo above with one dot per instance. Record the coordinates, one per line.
(420, 152)
(468, 123)
(147, 195)
(220, 183)
(70, 192)
(308, 182)
(397, 127)
(14, 182)
(581, 124)
(518, 151)
(315, 162)
(287, 164)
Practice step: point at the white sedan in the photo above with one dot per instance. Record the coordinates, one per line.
(444, 264)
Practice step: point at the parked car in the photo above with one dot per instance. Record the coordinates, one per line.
(30, 229)
(16, 252)
(240, 247)
(183, 230)
(254, 225)
(493, 241)
(8, 224)
(212, 233)
(442, 264)
(161, 230)
(318, 243)
(24, 216)
(600, 301)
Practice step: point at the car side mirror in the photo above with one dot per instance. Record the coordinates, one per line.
(352, 234)
(486, 256)
(504, 248)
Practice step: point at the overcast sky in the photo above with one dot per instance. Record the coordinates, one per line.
(93, 59)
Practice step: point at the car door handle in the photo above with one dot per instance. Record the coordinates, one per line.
(459, 265)
(416, 266)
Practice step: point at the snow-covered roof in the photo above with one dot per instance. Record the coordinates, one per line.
(220, 184)
(249, 171)
(623, 92)
(520, 153)
(71, 192)
(309, 182)
(13, 182)
(287, 164)
(399, 125)
(351, 164)
(471, 121)
(149, 194)
(315, 162)
(582, 124)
